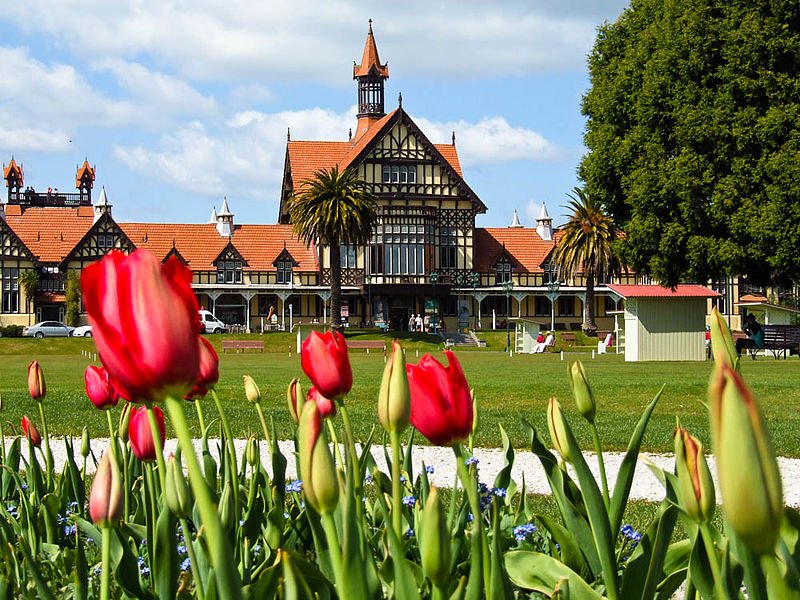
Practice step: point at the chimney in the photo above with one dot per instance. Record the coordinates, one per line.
(544, 225)
(225, 220)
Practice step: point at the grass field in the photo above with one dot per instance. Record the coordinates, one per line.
(508, 390)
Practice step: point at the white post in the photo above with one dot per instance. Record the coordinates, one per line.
(299, 342)
(592, 353)
(494, 320)
(291, 316)
(562, 356)
(262, 325)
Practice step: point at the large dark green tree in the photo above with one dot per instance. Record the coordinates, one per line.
(334, 208)
(693, 133)
(586, 248)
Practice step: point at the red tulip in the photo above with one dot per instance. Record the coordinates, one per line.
(144, 315)
(140, 434)
(99, 388)
(324, 359)
(441, 406)
(209, 370)
(31, 433)
(36, 384)
(326, 406)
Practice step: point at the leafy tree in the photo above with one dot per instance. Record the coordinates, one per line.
(72, 299)
(694, 132)
(28, 282)
(334, 208)
(587, 248)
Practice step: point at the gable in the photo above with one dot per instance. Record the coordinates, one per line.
(103, 237)
(285, 256)
(11, 246)
(230, 253)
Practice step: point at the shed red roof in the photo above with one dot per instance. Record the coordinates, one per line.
(523, 244)
(689, 290)
(201, 244)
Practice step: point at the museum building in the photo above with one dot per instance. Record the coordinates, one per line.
(426, 257)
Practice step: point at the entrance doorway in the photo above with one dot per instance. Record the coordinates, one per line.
(398, 318)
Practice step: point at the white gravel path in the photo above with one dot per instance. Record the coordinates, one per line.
(645, 485)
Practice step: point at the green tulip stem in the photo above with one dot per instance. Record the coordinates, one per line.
(397, 491)
(126, 489)
(2, 444)
(329, 526)
(438, 593)
(187, 538)
(337, 450)
(468, 481)
(200, 418)
(350, 444)
(601, 464)
(261, 418)
(105, 573)
(159, 444)
(713, 561)
(48, 456)
(226, 427)
(112, 440)
(221, 556)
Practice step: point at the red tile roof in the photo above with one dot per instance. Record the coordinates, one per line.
(523, 244)
(50, 233)
(201, 244)
(656, 291)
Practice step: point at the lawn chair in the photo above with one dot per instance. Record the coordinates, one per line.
(602, 345)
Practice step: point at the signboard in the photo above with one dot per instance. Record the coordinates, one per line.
(431, 305)
(345, 309)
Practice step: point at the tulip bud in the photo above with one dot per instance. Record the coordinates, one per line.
(31, 433)
(474, 411)
(722, 345)
(295, 398)
(435, 541)
(326, 406)
(141, 435)
(557, 426)
(251, 391)
(251, 453)
(582, 391)
(749, 480)
(36, 384)
(124, 422)
(105, 499)
(695, 486)
(227, 509)
(85, 442)
(394, 398)
(317, 471)
(177, 492)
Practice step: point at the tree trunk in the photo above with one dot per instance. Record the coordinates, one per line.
(589, 326)
(336, 285)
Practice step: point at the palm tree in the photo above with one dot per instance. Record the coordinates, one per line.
(587, 246)
(334, 208)
(29, 281)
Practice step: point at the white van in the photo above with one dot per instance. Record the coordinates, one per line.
(211, 323)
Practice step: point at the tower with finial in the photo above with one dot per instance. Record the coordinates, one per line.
(225, 219)
(14, 179)
(515, 222)
(103, 206)
(370, 75)
(544, 225)
(84, 181)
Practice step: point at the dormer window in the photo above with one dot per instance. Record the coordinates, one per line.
(503, 272)
(399, 174)
(229, 271)
(284, 271)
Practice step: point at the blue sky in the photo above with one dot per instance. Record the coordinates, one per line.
(180, 103)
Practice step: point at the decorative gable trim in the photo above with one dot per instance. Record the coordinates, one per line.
(94, 245)
(283, 257)
(229, 252)
(11, 246)
(176, 253)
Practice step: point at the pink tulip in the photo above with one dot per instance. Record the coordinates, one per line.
(140, 434)
(144, 319)
(31, 433)
(99, 388)
(324, 359)
(105, 499)
(441, 406)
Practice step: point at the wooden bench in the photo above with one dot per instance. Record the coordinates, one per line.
(569, 338)
(779, 339)
(366, 345)
(242, 345)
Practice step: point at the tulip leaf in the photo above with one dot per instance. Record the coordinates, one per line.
(12, 458)
(499, 584)
(540, 573)
(503, 478)
(570, 551)
(622, 488)
(574, 521)
(164, 558)
(408, 465)
(42, 587)
(645, 568)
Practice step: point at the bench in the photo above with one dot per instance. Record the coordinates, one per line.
(366, 345)
(242, 345)
(779, 339)
(569, 338)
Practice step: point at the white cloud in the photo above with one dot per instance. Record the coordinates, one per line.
(32, 139)
(215, 40)
(490, 141)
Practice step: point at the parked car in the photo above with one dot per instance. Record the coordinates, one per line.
(211, 324)
(47, 329)
(82, 331)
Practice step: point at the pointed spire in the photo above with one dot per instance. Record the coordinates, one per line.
(225, 219)
(103, 206)
(400, 100)
(288, 134)
(543, 213)
(350, 135)
(370, 59)
(454, 138)
(213, 220)
(103, 200)
(225, 211)
(544, 225)
(515, 221)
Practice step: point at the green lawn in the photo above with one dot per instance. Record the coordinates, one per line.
(508, 389)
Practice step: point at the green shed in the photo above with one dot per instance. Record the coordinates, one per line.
(663, 323)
